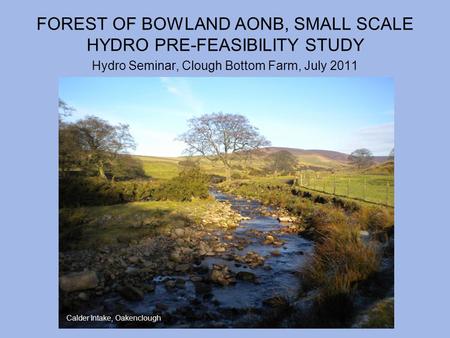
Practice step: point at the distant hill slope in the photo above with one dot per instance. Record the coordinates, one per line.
(315, 159)
(325, 155)
(385, 168)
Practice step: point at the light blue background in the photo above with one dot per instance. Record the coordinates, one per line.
(32, 62)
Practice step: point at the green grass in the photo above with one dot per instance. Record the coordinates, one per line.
(375, 184)
(367, 187)
(381, 315)
(92, 227)
(163, 168)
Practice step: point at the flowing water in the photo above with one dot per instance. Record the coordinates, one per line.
(278, 276)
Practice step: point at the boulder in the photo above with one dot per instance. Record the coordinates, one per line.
(78, 281)
(221, 275)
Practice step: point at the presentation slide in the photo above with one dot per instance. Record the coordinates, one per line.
(229, 168)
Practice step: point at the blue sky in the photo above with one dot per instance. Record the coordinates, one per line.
(339, 114)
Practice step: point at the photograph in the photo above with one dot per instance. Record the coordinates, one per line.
(226, 202)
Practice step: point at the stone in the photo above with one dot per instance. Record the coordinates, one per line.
(269, 239)
(161, 306)
(365, 235)
(246, 276)
(219, 248)
(275, 253)
(276, 302)
(131, 270)
(175, 257)
(83, 296)
(149, 287)
(78, 281)
(202, 288)
(286, 219)
(131, 293)
(180, 283)
(196, 279)
(133, 259)
(221, 275)
(179, 232)
(170, 284)
(182, 267)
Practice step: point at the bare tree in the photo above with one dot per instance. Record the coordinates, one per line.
(282, 161)
(391, 155)
(219, 136)
(361, 158)
(64, 110)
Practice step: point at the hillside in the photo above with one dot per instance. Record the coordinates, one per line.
(325, 155)
(316, 159)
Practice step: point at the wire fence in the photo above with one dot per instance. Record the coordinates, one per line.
(378, 189)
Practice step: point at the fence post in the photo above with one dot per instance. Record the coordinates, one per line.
(334, 184)
(364, 189)
(387, 193)
(301, 179)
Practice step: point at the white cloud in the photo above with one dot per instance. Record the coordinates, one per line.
(181, 89)
(378, 138)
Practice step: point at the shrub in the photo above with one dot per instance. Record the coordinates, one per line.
(91, 191)
(188, 184)
(375, 218)
(340, 261)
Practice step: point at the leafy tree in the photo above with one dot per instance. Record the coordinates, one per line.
(103, 142)
(361, 158)
(281, 161)
(126, 167)
(70, 151)
(218, 136)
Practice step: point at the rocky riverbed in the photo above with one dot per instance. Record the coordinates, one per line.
(237, 267)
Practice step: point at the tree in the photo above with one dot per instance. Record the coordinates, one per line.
(69, 147)
(102, 143)
(218, 136)
(125, 167)
(361, 158)
(64, 109)
(391, 155)
(282, 161)
(70, 151)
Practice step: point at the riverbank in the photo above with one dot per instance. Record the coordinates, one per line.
(225, 262)
(228, 267)
(353, 263)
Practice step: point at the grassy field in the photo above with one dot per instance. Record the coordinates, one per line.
(160, 167)
(358, 185)
(375, 184)
(107, 225)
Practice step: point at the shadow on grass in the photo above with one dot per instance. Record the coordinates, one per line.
(94, 227)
